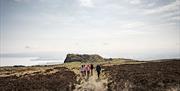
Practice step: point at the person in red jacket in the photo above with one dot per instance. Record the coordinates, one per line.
(87, 68)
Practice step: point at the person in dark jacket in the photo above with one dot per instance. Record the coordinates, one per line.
(91, 67)
(98, 69)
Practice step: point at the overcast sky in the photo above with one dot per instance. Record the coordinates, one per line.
(111, 28)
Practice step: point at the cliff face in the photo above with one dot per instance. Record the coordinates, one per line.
(82, 58)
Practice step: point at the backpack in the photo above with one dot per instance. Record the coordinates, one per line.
(98, 68)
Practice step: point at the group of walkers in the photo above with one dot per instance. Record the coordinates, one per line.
(87, 70)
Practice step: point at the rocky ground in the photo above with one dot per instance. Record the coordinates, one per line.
(151, 76)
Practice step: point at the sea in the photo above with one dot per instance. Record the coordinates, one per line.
(28, 61)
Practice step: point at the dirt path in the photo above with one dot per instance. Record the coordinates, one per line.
(92, 84)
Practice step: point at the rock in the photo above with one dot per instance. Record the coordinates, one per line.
(83, 58)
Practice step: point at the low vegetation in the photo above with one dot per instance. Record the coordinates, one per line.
(62, 80)
(151, 76)
(122, 74)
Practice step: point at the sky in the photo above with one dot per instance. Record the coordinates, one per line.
(138, 29)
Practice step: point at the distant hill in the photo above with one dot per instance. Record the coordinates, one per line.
(83, 58)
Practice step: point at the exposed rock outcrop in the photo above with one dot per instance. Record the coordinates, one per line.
(83, 58)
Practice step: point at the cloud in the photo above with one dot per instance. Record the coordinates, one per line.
(174, 6)
(21, 0)
(177, 18)
(135, 1)
(86, 3)
(150, 4)
(132, 25)
(103, 26)
(105, 44)
(164, 14)
(27, 47)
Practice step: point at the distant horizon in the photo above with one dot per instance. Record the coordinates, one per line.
(62, 56)
(35, 59)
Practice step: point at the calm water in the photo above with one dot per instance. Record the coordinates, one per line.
(28, 61)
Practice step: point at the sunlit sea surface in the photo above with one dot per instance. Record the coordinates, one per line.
(28, 61)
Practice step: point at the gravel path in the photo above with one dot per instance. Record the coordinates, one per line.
(92, 84)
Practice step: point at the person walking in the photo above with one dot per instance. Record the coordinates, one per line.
(98, 69)
(82, 71)
(87, 68)
(91, 67)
